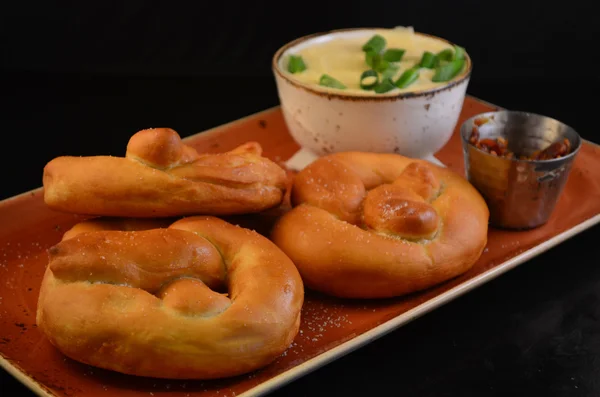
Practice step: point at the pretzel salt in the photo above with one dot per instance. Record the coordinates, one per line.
(160, 176)
(198, 299)
(369, 225)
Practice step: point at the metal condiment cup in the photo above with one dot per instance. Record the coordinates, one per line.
(521, 194)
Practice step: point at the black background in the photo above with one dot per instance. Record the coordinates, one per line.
(81, 77)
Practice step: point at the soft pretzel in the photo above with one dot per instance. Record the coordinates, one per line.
(199, 299)
(160, 176)
(369, 225)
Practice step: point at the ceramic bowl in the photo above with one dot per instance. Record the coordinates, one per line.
(414, 124)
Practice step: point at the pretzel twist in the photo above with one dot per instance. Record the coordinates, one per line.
(160, 176)
(149, 301)
(369, 225)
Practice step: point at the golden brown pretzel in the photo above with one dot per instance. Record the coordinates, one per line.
(160, 176)
(369, 225)
(149, 301)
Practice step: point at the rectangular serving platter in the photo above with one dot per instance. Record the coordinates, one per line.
(330, 327)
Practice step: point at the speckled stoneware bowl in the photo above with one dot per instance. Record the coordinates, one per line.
(414, 124)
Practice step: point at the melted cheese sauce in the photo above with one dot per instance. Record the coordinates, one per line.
(342, 58)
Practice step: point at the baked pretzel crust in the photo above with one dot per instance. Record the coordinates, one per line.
(199, 299)
(160, 176)
(368, 225)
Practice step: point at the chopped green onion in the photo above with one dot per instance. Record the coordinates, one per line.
(369, 79)
(376, 61)
(390, 72)
(296, 64)
(407, 78)
(393, 55)
(445, 55)
(375, 44)
(381, 66)
(369, 55)
(328, 81)
(385, 86)
(428, 60)
(448, 71)
(459, 52)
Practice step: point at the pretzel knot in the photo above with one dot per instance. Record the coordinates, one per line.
(198, 299)
(369, 225)
(160, 176)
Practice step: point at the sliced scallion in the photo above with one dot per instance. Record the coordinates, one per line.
(376, 61)
(448, 70)
(296, 64)
(370, 56)
(381, 65)
(375, 44)
(445, 55)
(393, 55)
(407, 78)
(390, 72)
(328, 81)
(459, 52)
(385, 86)
(428, 60)
(369, 79)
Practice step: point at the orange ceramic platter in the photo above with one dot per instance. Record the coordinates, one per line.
(330, 328)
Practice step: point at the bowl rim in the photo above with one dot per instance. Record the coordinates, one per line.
(315, 89)
(568, 158)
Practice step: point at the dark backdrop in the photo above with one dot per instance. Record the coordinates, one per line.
(84, 76)
(79, 78)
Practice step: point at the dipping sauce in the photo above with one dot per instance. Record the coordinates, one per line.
(375, 61)
(499, 146)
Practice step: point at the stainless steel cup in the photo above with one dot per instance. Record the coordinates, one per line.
(521, 194)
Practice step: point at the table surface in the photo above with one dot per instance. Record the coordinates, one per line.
(533, 331)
